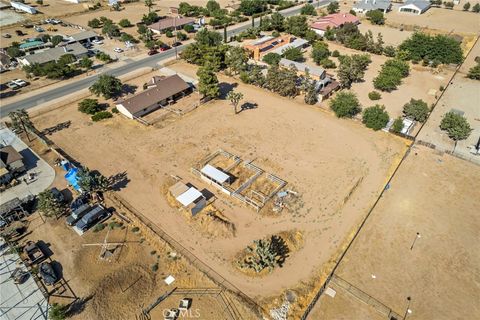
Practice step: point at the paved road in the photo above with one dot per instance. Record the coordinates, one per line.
(149, 61)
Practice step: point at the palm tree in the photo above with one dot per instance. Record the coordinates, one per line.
(235, 98)
(149, 4)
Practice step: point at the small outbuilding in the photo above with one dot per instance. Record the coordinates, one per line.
(212, 174)
(170, 23)
(415, 6)
(189, 197)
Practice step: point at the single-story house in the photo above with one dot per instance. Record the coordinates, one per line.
(414, 6)
(269, 44)
(189, 197)
(166, 89)
(363, 6)
(23, 7)
(11, 159)
(54, 54)
(34, 44)
(333, 21)
(84, 37)
(170, 23)
(315, 72)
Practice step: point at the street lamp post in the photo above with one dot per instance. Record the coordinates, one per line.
(415, 240)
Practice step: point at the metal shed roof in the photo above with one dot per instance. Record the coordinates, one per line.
(189, 196)
(215, 174)
(297, 43)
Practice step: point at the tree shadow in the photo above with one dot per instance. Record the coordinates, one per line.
(128, 88)
(45, 248)
(30, 160)
(118, 181)
(248, 106)
(225, 88)
(56, 128)
(280, 248)
(78, 306)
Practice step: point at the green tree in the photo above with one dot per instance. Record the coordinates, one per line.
(208, 38)
(376, 17)
(272, 58)
(212, 6)
(86, 63)
(66, 59)
(294, 54)
(320, 51)
(188, 28)
(308, 10)
(235, 98)
(57, 312)
(49, 205)
(476, 8)
(89, 106)
(391, 74)
(94, 23)
(149, 18)
(111, 30)
(149, 5)
(125, 23)
(250, 7)
(107, 85)
(92, 181)
(352, 68)
(416, 109)
(208, 82)
(102, 56)
(277, 22)
(441, 48)
(456, 126)
(397, 126)
(14, 51)
(297, 25)
(311, 95)
(474, 72)
(333, 7)
(56, 40)
(282, 81)
(21, 121)
(236, 59)
(466, 6)
(375, 117)
(345, 104)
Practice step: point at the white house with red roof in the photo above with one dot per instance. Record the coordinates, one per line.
(333, 21)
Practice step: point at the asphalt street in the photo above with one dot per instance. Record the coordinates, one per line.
(149, 61)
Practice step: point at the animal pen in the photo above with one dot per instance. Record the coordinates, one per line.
(240, 179)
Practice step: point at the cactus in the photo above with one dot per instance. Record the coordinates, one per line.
(265, 254)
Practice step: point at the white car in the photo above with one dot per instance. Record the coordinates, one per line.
(20, 82)
(118, 50)
(97, 41)
(12, 85)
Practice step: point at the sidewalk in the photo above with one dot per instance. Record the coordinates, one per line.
(34, 164)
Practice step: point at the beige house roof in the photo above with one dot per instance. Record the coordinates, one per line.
(165, 88)
(169, 22)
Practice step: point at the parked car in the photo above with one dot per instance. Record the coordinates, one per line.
(176, 44)
(39, 29)
(97, 42)
(164, 47)
(152, 52)
(77, 214)
(47, 273)
(33, 252)
(118, 50)
(27, 25)
(20, 82)
(78, 201)
(58, 195)
(94, 216)
(7, 35)
(12, 85)
(19, 33)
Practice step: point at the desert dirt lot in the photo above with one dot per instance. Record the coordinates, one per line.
(461, 94)
(127, 281)
(325, 152)
(437, 196)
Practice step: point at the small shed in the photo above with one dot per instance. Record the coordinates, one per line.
(189, 197)
(215, 175)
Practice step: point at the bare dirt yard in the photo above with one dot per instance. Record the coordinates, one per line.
(337, 166)
(435, 196)
(462, 94)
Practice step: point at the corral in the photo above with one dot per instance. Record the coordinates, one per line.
(336, 166)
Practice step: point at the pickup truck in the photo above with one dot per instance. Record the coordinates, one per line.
(78, 213)
(33, 252)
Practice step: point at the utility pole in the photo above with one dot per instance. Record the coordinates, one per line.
(175, 26)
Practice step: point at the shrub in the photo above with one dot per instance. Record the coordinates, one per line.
(94, 23)
(441, 88)
(308, 10)
(335, 54)
(135, 229)
(155, 267)
(102, 56)
(294, 54)
(474, 72)
(374, 95)
(181, 36)
(169, 34)
(101, 115)
(389, 51)
(345, 104)
(416, 109)
(153, 252)
(57, 312)
(89, 106)
(99, 227)
(125, 23)
(115, 110)
(375, 117)
(376, 17)
(328, 64)
(188, 28)
(397, 126)
(391, 74)
(272, 58)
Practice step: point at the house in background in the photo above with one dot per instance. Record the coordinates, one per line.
(269, 44)
(324, 83)
(11, 163)
(83, 37)
(162, 91)
(54, 54)
(333, 21)
(414, 6)
(170, 23)
(23, 7)
(363, 6)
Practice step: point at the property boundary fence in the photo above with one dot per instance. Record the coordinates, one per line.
(192, 258)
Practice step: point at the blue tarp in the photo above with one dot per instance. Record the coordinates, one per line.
(72, 178)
